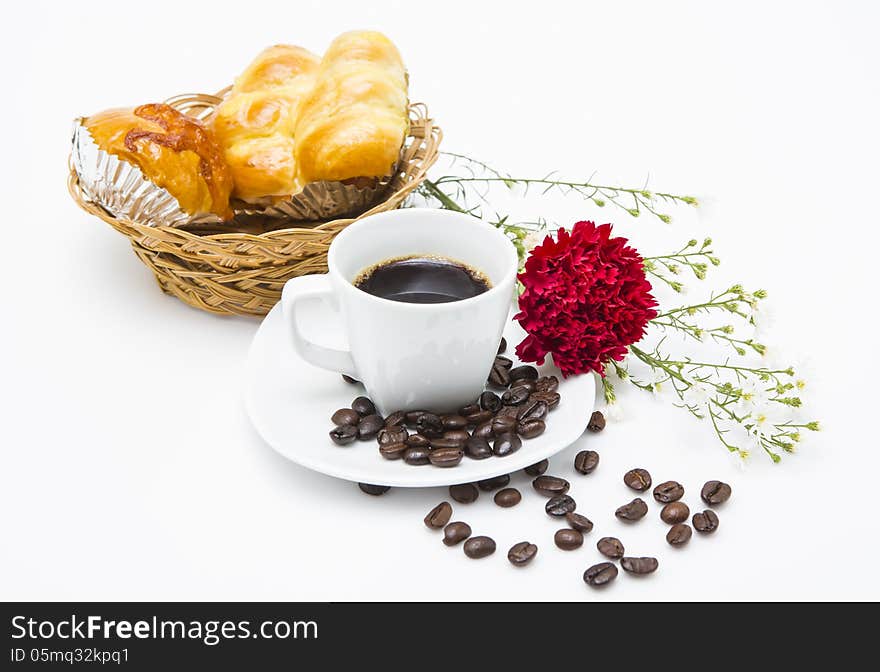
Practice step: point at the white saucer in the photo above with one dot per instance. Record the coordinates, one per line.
(290, 403)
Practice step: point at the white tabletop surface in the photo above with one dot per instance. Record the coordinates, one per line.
(129, 469)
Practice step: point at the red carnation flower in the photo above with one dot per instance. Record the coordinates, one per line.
(585, 300)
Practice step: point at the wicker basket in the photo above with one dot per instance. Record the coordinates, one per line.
(242, 272)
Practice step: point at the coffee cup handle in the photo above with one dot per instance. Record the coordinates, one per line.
(308, 287)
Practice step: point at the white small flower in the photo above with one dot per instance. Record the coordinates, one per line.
(656, 378)
(698, 394)
(614, 412)
(754, 395)
(763, 316)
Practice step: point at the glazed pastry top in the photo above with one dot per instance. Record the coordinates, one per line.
(174, 151)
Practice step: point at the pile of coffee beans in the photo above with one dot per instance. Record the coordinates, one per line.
(493, 425)
(560, 504)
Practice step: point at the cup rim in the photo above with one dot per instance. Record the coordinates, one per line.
(505, 284)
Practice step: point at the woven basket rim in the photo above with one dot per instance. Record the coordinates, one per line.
(208, 101)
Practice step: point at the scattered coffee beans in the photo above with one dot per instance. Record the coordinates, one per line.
(345, 416)
(579, 522)
(506, 444)
(610, 547)
(416, 456)
(369, 426)
(639, 566)
(363, 406)
(464, 493)
(390, 435)
(508, 497)
(568, 539)
(477, 448)
(713, 493)
(633, 511)
(532, 409)
(502, 347)
(679, 534)
(430, 425)
(637, 479)
(494, 483)
(374, 490)
(586, 461)
(439, 516)
(550, 486)
(675, 512)
(395, 451)
(522, 553)
(560, 505)
(547, 384)
(446, 457)
(489, 401)
(669, 491)
(538, 468)
(515, 396)
(418, 440)
(601, 574)
(705, 522)
(396, 419)
(343, 434)
(529, 429)
(479, 547)
(455, 533)
(453, 421)
(524, 372)
(597, 422)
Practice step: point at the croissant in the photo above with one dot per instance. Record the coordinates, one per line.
(255, 123)
(354, 121)
(173, 151)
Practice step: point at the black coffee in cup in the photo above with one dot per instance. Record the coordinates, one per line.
(422, 279)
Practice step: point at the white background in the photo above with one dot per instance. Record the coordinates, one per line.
(129, 469)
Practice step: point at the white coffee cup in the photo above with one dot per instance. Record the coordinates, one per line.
(411, 356)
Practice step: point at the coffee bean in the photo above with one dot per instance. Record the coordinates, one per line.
(633, 511)
(374, 490)
(494, 483)
(524, 372)
(637, 479)
(480, 417)
(369, 426)
(529, 429)
(532, 409)
(454, 441)
(502, 347)
(610, 547)
(345, 416)
(502, 424)
(579, 522)
(489, 401)
(537, 468)
(506, 444)
(477, 448)
(586, 461)
(457, 435)
(479, 547)
(550, 486)
(601, 574)
(668, 491)
(418, 441)
(679, 534)
(396, 419)
(343, 434)
(455, 533)
(469, 410)
(499, 376)
(568, 539)
(395, 451)
(453, 422)
(638, 566)
(560, 505)
(705, 522)
(522, 553)
(363, 406)
(349, 380)
(483, 431)
(446, 457)
(714, 492)
(391, 435)
(439, 516)
(417, 456)
(547, 384)
(465, 493)
(504, 362)
(507, 413)
(530, 385)
(549, 398)
(430, 425)
(597, 422)
(411, 417)
(515, 396)
(675, 512)
(508, 497)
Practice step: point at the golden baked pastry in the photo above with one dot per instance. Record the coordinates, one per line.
(354, 121)
(173, 151)
(255, 123)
